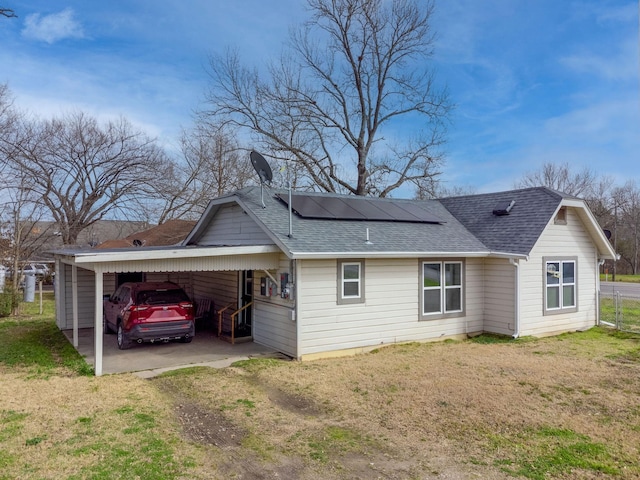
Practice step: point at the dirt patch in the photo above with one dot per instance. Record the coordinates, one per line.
(205, 427)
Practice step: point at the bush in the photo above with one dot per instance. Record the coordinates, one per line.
(9, 300)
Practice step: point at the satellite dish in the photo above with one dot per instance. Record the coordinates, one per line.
(261, 167)
(263, 170)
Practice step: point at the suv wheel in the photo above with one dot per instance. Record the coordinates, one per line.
(186, 339)
(123, 341)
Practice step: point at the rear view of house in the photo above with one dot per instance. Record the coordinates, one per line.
(316, 275)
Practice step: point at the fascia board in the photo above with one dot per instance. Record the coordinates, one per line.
(361, 254)
(605, 249)
(160, 254)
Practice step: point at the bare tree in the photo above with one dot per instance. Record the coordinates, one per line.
(354, 102)
(82, 171)
(7, 12)
(560, 177)
(627, 224)
(212, 165)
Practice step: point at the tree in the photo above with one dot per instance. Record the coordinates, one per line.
(80, 170)
(561, 178)
(355, 79)
(7, 12)
(627, 224)
(212, 166)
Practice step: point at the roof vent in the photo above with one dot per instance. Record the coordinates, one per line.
(503, 208)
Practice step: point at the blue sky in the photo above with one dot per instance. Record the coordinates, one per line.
(533, 81)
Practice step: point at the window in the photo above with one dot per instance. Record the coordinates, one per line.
(560, 285)
(441, 288)
(350, 281)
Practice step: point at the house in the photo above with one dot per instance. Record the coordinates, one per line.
(316, 275)
(170, 232)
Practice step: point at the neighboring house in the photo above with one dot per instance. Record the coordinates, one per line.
(171, 232)
(338, 275)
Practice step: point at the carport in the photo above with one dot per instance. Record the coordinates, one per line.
(148, 360)
(80, 284)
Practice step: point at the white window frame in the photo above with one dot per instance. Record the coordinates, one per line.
(443, 288)
(343, 299)
(551, 271)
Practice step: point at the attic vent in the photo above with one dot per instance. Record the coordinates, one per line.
(503, 208)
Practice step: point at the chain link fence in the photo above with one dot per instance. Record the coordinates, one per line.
(620, 311)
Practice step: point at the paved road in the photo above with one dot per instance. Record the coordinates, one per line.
(626, 289)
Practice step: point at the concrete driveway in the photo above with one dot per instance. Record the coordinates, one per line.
(147, 360)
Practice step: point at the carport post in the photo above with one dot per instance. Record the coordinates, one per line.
(74, 303)
(98, 326)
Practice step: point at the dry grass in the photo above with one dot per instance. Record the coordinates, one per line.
(556, 408)
(565, 407)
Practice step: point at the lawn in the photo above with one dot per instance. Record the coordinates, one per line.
(554, 408)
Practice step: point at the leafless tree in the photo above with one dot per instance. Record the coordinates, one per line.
(81, 170)
(7, 12)
(560, 177)
(627, 225)
(212, 164)
(353, 101)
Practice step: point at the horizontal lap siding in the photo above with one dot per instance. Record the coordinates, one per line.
(273, 327)
(86, 298)
(231, 226)
(500, 278)
(272, 316)
(568, 240)
(390, 313)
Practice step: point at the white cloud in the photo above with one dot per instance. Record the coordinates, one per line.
(52, 28)
(619, 64)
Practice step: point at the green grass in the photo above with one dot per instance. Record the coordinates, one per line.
(621, 278)
(32, 340)
(554, 452)
(142, 453)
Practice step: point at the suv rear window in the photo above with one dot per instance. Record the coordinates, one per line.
(160, 297)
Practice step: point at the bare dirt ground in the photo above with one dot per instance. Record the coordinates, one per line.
(565, 407)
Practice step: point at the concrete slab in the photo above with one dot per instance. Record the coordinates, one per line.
(148, 360)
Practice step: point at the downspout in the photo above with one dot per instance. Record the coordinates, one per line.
(516, 264)
(600, 262)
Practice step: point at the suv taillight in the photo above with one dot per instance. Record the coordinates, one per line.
(136, 315)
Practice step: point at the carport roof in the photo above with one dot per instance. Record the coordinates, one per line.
(173, 258)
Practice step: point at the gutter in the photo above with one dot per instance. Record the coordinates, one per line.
(516, 264)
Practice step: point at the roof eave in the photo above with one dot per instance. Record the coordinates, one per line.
(96, 256)
(386, 254)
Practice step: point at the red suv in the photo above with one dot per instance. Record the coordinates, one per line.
(149, 312)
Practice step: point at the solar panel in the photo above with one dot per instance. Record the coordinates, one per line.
(358, 208)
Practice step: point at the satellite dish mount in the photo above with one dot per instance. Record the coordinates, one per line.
(263, 170)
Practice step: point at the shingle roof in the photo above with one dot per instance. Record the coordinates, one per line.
(516, 232)
(171, 232)
(324, 236)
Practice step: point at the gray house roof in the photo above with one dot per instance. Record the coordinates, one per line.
(467, 225)
(515, 232)
(313, 237)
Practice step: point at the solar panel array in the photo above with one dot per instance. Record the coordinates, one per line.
(358, 208)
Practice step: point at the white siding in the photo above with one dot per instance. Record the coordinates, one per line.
(273, 323)
(273, 327)
(499, 296)
(86, 299)
(390, 313)
(570, 240)
(232, 226)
